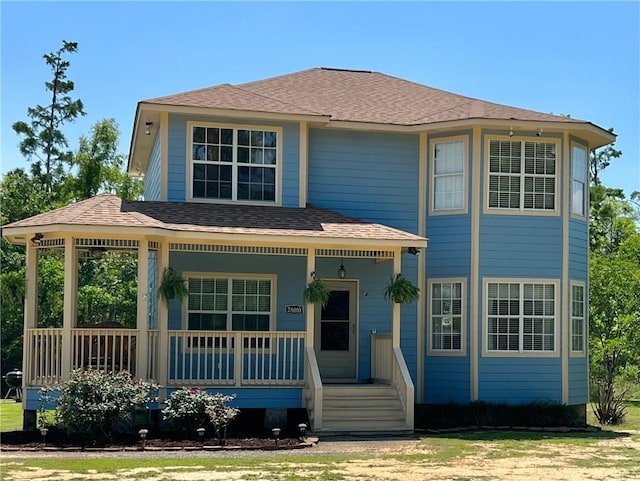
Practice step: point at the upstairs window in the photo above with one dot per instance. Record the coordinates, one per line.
(521, 317)
(448, 175)
(235, 164)
(579, 181)
(522, 175)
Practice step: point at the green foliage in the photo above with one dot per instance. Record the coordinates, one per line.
(92, 402)
(44, 144)
(221, 414)
(609, 407)
(172, 286)
(401, 290)
(190, 409)
(601, 159)
(317, 292)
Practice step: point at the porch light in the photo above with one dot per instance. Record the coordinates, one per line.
(342, 272)
(413, 250)
(147, 127)
(37, 238)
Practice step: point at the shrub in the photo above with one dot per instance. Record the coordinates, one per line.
(92, 402)
(609, 407)
(190, 409)
(221, 415)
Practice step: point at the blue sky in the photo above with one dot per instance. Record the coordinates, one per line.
(576, 58)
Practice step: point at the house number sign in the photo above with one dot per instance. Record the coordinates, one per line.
(293, 309)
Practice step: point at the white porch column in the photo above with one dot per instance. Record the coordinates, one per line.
(163, 318)
(30, 314)
(142, 318)
(310, 308)
(69, 302)
(395, 333)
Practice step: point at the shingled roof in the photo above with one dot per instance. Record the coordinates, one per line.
(108, 211)
(351, 95)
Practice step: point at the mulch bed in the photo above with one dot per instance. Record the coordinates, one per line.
(57, 440)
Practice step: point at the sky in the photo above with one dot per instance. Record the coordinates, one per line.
(575, 58)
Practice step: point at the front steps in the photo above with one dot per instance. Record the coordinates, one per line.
(362, 409)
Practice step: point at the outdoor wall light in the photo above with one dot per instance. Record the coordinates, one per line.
(37, 238)
(413, 250)
(342, 272)
(539, 133)
(313, 275)
(510, 131)
(147, 128)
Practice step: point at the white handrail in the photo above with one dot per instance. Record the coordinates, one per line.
(314, 387)
(401, 380)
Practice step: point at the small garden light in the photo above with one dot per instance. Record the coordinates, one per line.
(276, 434)
(143, 436)
(200, 432)
(43, 433)
(302, 430)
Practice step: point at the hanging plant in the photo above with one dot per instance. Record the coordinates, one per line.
(172, 286)
(401, 290)
(317, 292)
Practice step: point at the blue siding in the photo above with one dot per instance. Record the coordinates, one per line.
(449, 251)
(520, 380)
(578, 380)
(447, 379)
(373, 176)
(254, 397)
(152, 175)
(177, 182)
(578, 249)
(520, 246)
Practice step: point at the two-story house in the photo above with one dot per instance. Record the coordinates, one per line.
(253, 190)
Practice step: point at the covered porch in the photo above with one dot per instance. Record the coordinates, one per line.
(294, 245)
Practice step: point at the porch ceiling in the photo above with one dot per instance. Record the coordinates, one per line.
(107, 214)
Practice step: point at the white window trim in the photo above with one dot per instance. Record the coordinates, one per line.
(485, 321)
(463, 327)
(585, 318)
(232, 275)
(189, 162)
(465, 181)
(533, 212)
(585, 195)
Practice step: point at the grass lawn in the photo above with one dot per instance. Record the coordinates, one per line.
(612, 453)
(10, 415)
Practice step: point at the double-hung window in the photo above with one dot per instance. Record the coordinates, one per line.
(448, 175)
(447, 316)
(234, 163)
(229, 303)
(579, 181)
(522, 175)
(578, 318)
(521, 317)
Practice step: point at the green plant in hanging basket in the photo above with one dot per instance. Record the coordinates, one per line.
(317, 292)
(172, 286)
(401, 290)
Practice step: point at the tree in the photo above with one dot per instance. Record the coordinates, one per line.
(44, 143)
(601, 159)
(100, 166)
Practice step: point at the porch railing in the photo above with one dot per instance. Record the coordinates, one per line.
(401, 380)
(104, 349)
(43, 354)
(314, 391)
(236, 358)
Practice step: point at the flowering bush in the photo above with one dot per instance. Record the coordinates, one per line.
(191, 409)
(221, 415)
(91, 402)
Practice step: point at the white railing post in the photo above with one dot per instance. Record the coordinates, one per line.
(395, 337)
(238, 350)
(314, 385)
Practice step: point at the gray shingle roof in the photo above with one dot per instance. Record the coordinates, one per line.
(110, 211)
(349, 95)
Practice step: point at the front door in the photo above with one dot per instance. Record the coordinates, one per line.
(336, 332)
